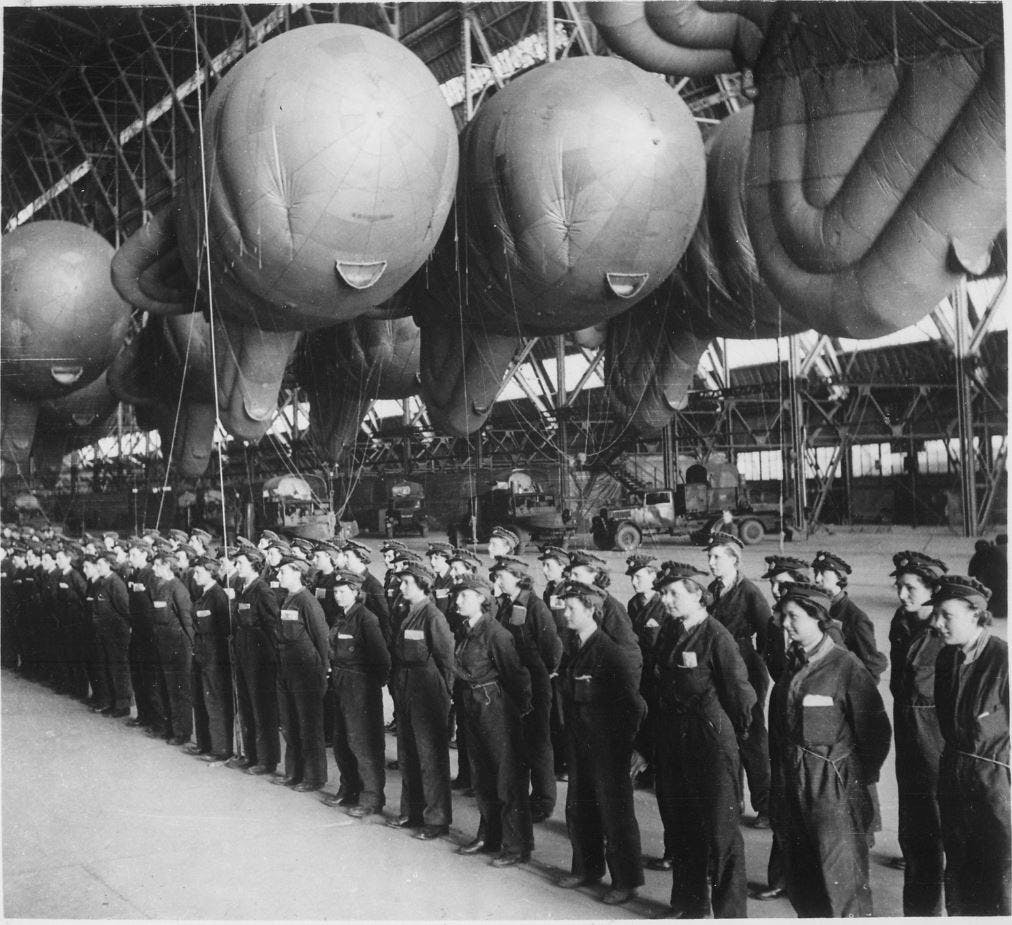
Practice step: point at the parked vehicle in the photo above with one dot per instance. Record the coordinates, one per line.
(712, 497)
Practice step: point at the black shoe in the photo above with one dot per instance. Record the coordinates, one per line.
(194, 749)
(178, 740)
(472, 847)
(360, 812)
(562, 776)
(664, 863)
(306, 786)
(212, 758)
(616, 897)
(572, 881)
(393, 765)
(120, 713)
(104, 711)
(402, 822)
(765, 895)
(509, 860)
(155, 733)
(239, 761)
(134, 722)
(459, 784)
(391, 726)
(430, 832)
(259, 770)
(761, 821)
(281, 781)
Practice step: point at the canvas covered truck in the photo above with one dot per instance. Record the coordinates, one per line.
(712, 497)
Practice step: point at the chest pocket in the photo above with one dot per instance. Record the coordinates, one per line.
(344, 645)
(414, 649)
(321, 594)
(583, 688)
(518, 615)
(291, 625)
(821, 720)
(244, 614)
(203, 621)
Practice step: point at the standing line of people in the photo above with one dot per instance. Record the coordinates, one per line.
(225, 651)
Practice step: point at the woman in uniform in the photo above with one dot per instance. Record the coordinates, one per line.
(739, 606)
(831, 735)
(496, 693)
(303, 662)
(603, 713)
(914, 648)
(704, 703)
(971, 697)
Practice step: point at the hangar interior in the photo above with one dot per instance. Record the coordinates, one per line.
(101, 107)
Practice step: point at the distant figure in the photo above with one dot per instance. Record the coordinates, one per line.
(989, 564)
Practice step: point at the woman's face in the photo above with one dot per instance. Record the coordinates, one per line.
(778, 584)
(552, 569)
(583, 574)
(956, 622)
(722, 564)
(643, 580)
(829, 581)
(578, 615)
(469, 603)
(912, 592)
(801, 627)
(680, 601)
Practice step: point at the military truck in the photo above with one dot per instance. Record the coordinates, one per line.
(515, 501)
(712, 497)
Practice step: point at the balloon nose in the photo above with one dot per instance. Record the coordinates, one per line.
(360, 275)
(626, 285)
(66, 375)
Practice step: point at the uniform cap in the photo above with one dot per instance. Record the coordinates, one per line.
(585, 557)
(392, 545)
(462, 555)
(252, 553)
(579, 589)
(206, 562)
(777, 564)
(201, 535)
(180, 536)
(473, 583)
(723, 538)
(302, 543)
(963, 588)
(419, 571)
(554, 552)
(108, 555)
(440, 549)
(188, 549)
(244, 542)
(513, 566)
(917, 563)
(281, 545)
(300, 565)
(405, 556)
(359, 550)
(804, 591)
(828, 562)
(678, 571)
(505, 534)
(635, 563)
(269, 535)
(352, 579)
(110, 535)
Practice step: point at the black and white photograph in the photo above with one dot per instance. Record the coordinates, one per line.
(521, 461)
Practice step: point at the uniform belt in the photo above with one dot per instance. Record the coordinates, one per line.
(1001, 764)
(827, 759)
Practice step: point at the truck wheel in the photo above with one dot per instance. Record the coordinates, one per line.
(628, 537)
(750, 531)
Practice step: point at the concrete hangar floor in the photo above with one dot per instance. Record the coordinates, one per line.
(101, 822)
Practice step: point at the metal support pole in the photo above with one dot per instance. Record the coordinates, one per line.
(465, 40)
(549, 30)
(796, 471)
(562, 436)
(964, 411)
